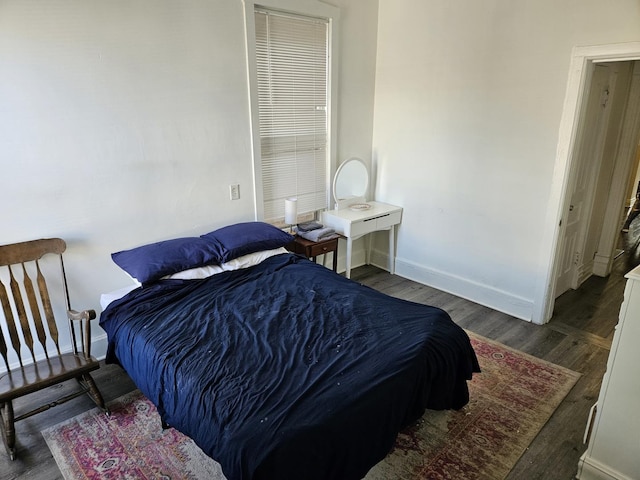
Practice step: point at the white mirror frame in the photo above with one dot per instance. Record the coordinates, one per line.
(354, 173)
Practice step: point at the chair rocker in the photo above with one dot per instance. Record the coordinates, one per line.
(26, 330)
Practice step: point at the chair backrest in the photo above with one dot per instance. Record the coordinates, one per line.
(33, 321)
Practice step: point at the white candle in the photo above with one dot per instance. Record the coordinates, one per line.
(291, 210)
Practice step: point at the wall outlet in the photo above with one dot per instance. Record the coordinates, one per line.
(234, 191)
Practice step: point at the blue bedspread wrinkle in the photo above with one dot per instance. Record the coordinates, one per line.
(286, 370)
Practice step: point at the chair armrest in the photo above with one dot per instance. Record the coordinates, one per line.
(83, 315)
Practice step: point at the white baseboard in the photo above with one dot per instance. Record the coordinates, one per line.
(380, 259)
(602, 265)
(591, 469)
(494, 298)
(99, 346)
(584, 271)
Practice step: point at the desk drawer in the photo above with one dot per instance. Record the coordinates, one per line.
(360, 228)
(374, 224)
(388, 220)
(324, 247)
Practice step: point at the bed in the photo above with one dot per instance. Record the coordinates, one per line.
(277, 367)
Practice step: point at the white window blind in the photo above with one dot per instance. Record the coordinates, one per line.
(292, 73)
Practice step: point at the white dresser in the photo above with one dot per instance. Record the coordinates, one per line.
(614, 445)
(353, 224)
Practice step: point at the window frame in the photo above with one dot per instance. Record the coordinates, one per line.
(296, 7)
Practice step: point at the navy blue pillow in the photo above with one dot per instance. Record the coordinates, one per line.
(250, 237)
(151, 262)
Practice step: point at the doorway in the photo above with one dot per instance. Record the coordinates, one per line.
(603, 184)
(603, 162)
(589, 162)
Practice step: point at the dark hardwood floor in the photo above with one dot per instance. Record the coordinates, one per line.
(578, 337)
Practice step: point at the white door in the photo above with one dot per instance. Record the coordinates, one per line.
(591, 144)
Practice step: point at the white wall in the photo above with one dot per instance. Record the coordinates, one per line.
(359, 28)
(124, 122)
(469, 97)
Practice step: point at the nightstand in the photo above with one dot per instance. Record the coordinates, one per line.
(312, 249)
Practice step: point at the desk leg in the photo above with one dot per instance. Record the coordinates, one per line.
(392, 249)
(368, 248)
(349, 248)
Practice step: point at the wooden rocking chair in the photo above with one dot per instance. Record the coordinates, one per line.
(47, 365)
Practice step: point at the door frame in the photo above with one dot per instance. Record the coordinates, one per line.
(580, 69)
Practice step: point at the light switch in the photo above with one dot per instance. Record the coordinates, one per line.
(234, 191)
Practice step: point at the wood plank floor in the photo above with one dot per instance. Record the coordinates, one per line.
(578, 337)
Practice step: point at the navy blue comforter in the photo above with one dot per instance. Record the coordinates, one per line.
(286, 370)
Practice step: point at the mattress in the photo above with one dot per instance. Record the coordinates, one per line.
(286, 370)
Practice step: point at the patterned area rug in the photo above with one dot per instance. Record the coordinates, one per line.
(510, 402)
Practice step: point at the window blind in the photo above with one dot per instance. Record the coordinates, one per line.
(292, 73)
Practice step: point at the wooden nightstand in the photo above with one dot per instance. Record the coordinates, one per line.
(312, 249)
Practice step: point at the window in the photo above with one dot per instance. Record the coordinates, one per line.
(290, 111)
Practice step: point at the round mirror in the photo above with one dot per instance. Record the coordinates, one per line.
(351, 180)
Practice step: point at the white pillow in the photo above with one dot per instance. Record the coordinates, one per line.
(251, 259)
(195, 273)
(244, 261)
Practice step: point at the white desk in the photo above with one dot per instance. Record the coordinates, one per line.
(354, 224)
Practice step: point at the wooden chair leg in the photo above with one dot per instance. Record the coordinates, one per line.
(7, 425)
(94, 393)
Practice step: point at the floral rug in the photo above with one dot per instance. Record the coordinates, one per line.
(511, 400)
